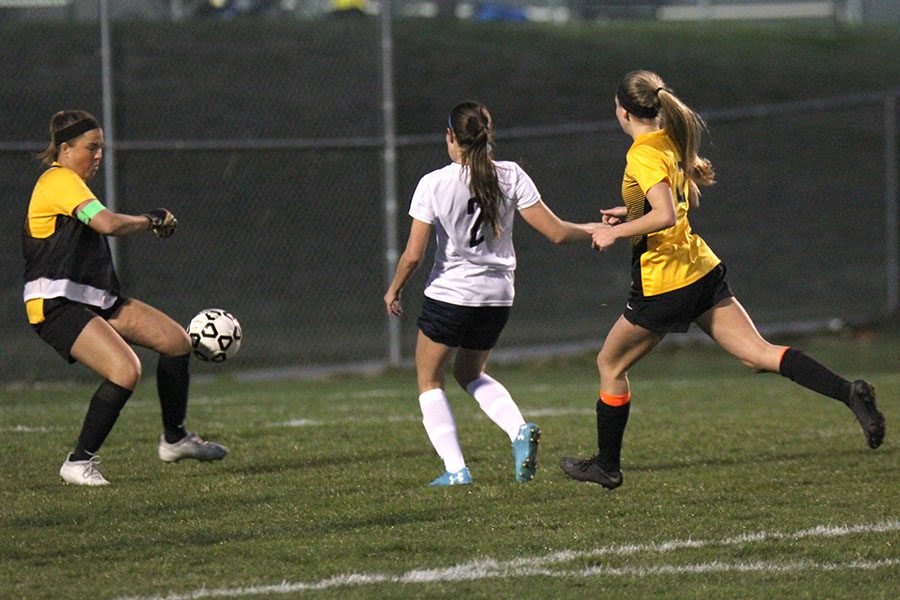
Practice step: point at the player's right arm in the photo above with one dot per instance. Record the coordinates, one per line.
(412, 257)
(545, 221)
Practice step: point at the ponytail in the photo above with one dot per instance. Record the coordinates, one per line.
(473, 128)
(686, 127)
(645, 95)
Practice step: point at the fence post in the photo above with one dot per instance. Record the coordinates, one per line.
(109, 134)
(890, 201)
(390, 170)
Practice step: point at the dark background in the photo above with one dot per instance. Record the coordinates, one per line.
(291, 239)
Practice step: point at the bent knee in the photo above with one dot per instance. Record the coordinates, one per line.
(608, 367)
(177, 343)
(126, 373)
(465, 376)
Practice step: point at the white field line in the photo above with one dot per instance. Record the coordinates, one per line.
(539, 565)
(415, 416)
(373, 393)
(210, 401)
(553, 412)
(769, 566)
(304, 422)
(26, 429)
(518, 392)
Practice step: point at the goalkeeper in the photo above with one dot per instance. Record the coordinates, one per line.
(74, 303)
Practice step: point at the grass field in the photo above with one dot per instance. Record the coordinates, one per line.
(736, 486)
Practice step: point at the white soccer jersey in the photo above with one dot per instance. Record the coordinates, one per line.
(472, 267)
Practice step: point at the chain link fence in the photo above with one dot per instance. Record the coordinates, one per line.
(275, 170)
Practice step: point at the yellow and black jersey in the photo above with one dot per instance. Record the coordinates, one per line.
(63, 256)
(671, 258)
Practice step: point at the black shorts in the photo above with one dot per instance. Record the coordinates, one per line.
(675, 311)
(470, 327)
(65, 319)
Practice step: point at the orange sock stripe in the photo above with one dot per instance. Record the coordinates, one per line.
(781, 356)
(615, 400)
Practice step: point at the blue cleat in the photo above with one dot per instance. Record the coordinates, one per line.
(461, 477)
(525, 451)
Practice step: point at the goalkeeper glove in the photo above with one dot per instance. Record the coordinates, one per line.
(162, 222)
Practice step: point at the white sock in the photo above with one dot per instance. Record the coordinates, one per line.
(441, 428)
(496, 402)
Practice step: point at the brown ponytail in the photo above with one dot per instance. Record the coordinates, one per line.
(647, 94)
(474, 132)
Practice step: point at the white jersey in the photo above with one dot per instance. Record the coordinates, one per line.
(472, 267)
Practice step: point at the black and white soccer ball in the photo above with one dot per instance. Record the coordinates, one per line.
(215, 335)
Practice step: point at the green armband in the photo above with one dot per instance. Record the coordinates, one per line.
(88, 212)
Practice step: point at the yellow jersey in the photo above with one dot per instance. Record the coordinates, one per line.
(64, 258)
(671, 258)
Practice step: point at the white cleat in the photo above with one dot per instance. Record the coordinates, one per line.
(190, 446)
(82, 472)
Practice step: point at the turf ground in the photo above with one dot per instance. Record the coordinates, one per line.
(736, 486)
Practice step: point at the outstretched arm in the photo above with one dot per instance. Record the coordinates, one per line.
(102, 220)
(412, 257)
(553, 228)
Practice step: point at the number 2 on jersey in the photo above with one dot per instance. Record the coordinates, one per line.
(474, 238)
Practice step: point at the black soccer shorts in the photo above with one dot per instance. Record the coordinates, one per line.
(470, 327)
(65, 319)
(673, 312)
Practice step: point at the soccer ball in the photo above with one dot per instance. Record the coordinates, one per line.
(215, 335)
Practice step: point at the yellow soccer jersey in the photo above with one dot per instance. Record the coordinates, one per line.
(63, 256)
(672, 258)
(57, 192)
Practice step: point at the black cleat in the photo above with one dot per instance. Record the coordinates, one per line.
(862, 403)
(589, 470)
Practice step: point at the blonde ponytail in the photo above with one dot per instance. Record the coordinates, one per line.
(644, 95)
(686, 127)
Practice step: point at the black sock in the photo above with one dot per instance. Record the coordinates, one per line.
(813, 375)
(172, 381)
(104, 409)
(611, 422)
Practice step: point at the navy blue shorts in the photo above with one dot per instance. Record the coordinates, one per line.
(470, 327)
(673, 312)
(65, 319)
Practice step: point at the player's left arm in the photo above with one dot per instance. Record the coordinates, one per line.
(104, 221)
(614, 215)
(661, 216)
